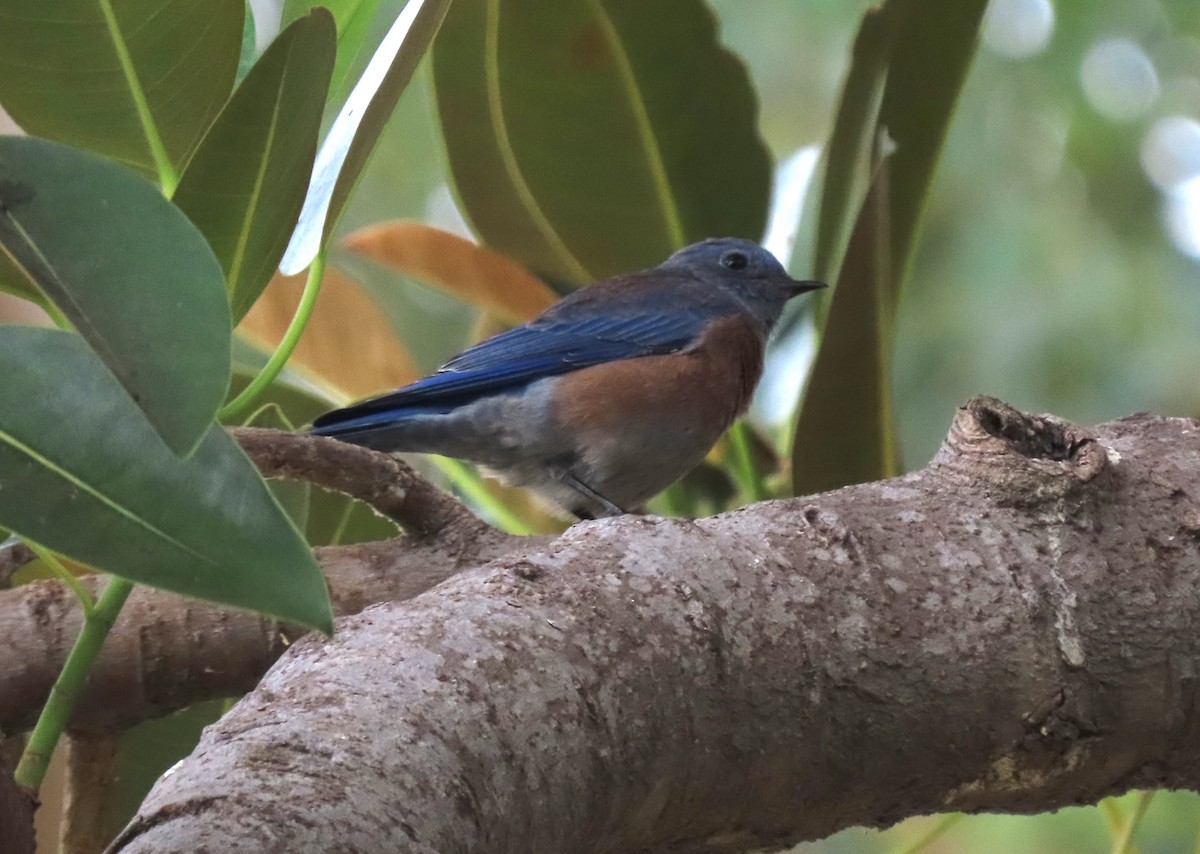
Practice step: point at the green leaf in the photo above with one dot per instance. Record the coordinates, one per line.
(844, 433)
(136, 80)
(933, 45)
(82, 473)
(591, 137)
(337, 520)
(353, 18)
(356, 129)
(293, 495)
(249, 45)
(850, 143)
(128, 269)
(145, 752)
(244, 187)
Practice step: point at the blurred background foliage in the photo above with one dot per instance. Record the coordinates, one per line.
(1057, 269)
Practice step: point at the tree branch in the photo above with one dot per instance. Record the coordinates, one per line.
(384, 482)
(1011, 628)
(167, 652)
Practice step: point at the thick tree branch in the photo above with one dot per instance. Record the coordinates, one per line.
(1011, 628)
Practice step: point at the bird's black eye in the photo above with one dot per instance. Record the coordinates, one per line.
(735, 260)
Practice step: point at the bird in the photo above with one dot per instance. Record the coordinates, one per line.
(610, 395)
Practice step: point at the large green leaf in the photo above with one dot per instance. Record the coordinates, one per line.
(845, 431)
(244, 187)
(933, 44)
(136, 80)
(590, 137)
(128, 269)
(850, 144)
(82, 473)
(354, 132)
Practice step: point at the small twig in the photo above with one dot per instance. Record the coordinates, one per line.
(385, 483)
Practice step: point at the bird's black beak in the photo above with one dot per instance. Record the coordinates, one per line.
(795, 287)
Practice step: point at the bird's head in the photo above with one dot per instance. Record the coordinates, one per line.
(746, 271)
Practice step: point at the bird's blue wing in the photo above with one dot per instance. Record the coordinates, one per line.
(569, 337)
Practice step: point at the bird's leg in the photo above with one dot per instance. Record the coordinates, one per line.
(565, 476)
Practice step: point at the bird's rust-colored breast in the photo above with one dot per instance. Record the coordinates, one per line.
(706, 386)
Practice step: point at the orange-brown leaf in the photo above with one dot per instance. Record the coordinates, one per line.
(476, 275)
(348, 342)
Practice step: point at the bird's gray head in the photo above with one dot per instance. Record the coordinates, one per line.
(745, 270)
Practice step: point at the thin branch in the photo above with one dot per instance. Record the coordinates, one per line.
(382, 481)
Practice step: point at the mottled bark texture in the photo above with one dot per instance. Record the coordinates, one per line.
(1011, 628)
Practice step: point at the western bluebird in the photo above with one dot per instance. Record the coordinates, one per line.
(610, 395)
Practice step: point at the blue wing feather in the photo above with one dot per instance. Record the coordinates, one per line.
(583, 330)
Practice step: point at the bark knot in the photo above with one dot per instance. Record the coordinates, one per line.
(1027, 459)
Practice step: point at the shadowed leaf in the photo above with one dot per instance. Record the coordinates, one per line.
(82, 473)
(353, 18)
(130, 272)
(120, 76)
(593, 137)
(847, 156)
(845, 433)
(246, 183)
(472, 273)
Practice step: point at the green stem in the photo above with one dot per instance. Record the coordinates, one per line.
(470, 485)
(64, 575)
(238, 406)
(53, 720)
(1114, 817)
(747, 472)
(947, 821)
(1121, 843)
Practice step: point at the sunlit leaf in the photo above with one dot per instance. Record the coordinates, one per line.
(354, 132)
(592, 137)
(82, 473)
(348, 344)
(120, 77)
(130, 272)
(246, 183)
(474, 274)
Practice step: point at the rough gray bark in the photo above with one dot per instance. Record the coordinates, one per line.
(1011, 628)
